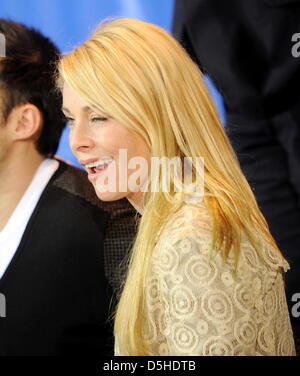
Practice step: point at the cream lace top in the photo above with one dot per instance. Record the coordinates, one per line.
(196, 306)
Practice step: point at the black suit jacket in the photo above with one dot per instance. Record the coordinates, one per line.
(59, 285)
(246, 48)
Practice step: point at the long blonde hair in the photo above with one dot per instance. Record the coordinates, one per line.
(140, 75)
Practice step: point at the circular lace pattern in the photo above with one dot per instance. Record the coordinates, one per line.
(272, 257)
(250, 258)
(216, 346)
(217, 306)
(243, 297)
(245, 331)
(266, 339)
(183, 301)
(199, 271)
(152, 292)
(185, 338)
(270, 303)
(167, 260)
(286, 345)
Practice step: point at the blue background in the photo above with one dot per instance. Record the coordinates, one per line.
(69, 22)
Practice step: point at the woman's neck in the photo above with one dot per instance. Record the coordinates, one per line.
(136, 201)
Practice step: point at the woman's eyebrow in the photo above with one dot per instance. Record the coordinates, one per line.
(83, 109)
(64, 109)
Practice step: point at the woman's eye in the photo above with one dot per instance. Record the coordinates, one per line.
(97, 118)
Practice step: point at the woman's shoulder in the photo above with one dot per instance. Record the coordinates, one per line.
(192, 224)
(190, 218)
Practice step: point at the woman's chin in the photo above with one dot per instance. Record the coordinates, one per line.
(110, 196)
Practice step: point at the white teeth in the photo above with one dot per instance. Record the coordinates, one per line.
(99, 163)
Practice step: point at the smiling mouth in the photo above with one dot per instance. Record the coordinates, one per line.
(96, 168)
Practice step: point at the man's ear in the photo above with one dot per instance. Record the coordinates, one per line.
(27, 120)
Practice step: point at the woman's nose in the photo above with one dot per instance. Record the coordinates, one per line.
(80, 139)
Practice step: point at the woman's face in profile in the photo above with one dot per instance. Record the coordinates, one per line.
(116, 159)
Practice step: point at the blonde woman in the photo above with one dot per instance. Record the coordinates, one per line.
(204, 277)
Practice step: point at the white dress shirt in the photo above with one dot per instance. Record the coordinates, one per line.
(11, 235)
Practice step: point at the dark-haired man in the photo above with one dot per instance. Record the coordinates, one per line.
(60, 248)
